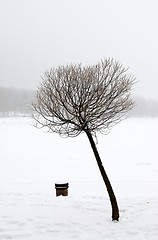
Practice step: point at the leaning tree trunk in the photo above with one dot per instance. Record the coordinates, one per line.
(115, 210)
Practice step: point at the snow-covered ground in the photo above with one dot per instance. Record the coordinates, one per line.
(31, 161)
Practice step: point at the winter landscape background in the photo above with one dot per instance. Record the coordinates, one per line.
(32, 161)
(37, 35)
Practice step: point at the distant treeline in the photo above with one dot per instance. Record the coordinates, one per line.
(14, 102)
(144, 107)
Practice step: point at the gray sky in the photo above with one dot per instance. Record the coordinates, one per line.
(39, 34)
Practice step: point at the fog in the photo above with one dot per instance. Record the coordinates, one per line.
(15, 102)
(39, 34)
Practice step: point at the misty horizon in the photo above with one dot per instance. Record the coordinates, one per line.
(14, 101)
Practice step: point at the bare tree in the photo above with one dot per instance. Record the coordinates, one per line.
(91, 99)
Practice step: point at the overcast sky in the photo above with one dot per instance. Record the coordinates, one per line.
(39, 34)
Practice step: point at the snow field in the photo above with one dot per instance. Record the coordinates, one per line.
(31, 161)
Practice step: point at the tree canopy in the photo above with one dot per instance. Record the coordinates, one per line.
(76, 98)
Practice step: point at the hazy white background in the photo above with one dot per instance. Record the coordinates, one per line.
(39, 34)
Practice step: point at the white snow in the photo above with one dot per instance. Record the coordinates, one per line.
(31, 161)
